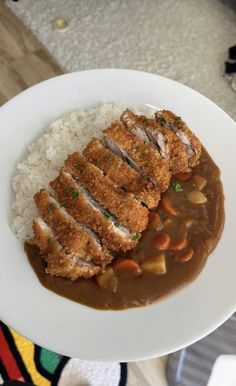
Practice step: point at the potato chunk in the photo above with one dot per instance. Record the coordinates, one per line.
(108, 280)
(155, 264)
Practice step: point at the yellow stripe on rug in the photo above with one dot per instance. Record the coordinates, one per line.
(26, 350)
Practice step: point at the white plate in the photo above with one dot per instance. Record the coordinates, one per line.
(134, 334)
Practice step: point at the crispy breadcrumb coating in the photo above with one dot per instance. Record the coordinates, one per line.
(123, 205)
(148, 159)
(79, 205)
(122, 174)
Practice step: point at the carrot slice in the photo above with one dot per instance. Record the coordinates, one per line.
(180, 244)
(184, 176)
(154, 221)
(128, 265)
(167, 206)
(161, 241)
(184, 256)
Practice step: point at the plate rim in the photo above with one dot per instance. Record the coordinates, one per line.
(37, 86)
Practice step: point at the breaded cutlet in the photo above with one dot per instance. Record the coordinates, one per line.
(164, 140)
(122, 174)
(148, 160)
(86, 211)
(74, 239)
(192, 144)
(58, 262)
(123, 205)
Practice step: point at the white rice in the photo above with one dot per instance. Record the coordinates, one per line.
(46, 156)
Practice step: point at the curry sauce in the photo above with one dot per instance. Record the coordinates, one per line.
(182, 237)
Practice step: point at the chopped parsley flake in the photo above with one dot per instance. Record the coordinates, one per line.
(142, 155)
(75, 194)
(69, 189)
(77, 165)
(135, 237)
(62, 203)
(106, 215)
(162, 121)
(110, 158)
(177, 187)
(51, 207)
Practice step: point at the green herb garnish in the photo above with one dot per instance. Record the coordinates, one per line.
(106, 215)
(49, 241)
(62, 203)
(69, 188)
(177, 187)
(142, 155)
(110, 157)
(162, 121)
(135, 237)
(75, 194)
(51, 207)
(77, 165)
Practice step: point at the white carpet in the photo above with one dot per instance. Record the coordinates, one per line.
(186, 40)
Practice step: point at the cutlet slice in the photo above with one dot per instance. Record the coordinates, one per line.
(122, 174)
(164, 140)
(83, 207)
(123, 205)
(142, 157)
(170, 121)
(74, 238)
(58, 262)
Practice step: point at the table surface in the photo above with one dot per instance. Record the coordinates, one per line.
(23, 59)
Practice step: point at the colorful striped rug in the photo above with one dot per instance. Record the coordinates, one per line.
(23, 361)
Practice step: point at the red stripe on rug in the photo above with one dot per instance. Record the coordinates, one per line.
(8, 360)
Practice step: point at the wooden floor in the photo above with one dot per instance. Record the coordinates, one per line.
(147, 373)
(24, 62)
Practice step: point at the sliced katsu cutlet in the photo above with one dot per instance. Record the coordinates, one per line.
(123, 205)
(83, 207)
(75, 239)
(140, 155)
(164, 140)
(192, 144)
(122, 174)
(58, 262)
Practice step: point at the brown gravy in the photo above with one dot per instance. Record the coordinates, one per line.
(203, 235)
